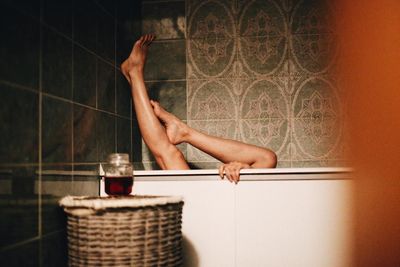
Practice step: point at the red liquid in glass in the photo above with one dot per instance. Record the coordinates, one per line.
(118, 185)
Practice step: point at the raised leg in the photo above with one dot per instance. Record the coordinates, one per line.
(153, 132)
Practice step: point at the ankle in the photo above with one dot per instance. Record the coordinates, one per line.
(135, 72)
(188, 134)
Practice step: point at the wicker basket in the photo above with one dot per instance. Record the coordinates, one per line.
(124, 231)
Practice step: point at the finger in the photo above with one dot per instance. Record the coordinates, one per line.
(228, 175)
(233, 175)
(221, 171)
(237, 175)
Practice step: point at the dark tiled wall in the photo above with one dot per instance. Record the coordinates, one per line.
(259, 71)
(63, 107)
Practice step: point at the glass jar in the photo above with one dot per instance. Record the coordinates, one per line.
(118, 175)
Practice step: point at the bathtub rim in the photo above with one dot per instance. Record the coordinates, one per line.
(315, 173)
(318, 173)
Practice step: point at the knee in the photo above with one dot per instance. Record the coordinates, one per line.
(270, 159)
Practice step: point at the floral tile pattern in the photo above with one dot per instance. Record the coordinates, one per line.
(210, 19)
(270, 133)
(260, 71)
(211, 100)
(317, 119)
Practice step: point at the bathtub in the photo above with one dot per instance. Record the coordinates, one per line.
(272, 217)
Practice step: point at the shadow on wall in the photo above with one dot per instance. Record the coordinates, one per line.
(190, 258)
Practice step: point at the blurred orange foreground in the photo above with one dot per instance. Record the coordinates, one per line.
(369, 33)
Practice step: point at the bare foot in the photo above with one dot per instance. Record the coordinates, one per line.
(137, 58)
(177, 131)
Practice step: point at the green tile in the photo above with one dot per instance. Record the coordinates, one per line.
(283, 164)
(54, 250)
(108, 5)
(166, 60)
(318, 163)
(86, 16)
(139, 166)
(27, 7)
(166, 19)
(136, 143)
(26, 255)
(211, 100)
(54, 187)
(150, 166)
(211, 19)
(123, 99)
(124, 137)
(211, 56)
(264, 99)
(170, 95)
(56, 131)
(316, 137)
(85, 134)
(106, 36)
(263, 55)
(84, 90)
(105, 86)
(128, 10)
(19, 210)
(86, 186)
(270, 133)
(19, 53)
(316, 97)
(19, 114)
(58, 14)
(204, 165)
(314, 53)
(261, 18)
(128, 31)
(312, 17)
(106, 136)
(56, 64)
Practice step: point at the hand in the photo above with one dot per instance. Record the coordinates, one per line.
(232, 170)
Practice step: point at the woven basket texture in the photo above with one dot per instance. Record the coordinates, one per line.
(132, 236)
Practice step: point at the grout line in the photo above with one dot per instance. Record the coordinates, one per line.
(83, 105)
(186, 66)
(115, 83)
(18, 86)
(166, 80)
(147, 2)
(72, 94)
(19, 244)
(39, 193)
(97, 84)
(74, 42)
(54, 233)
(104, 9)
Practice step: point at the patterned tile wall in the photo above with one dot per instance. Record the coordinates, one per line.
(258, 71)
(63, 106)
